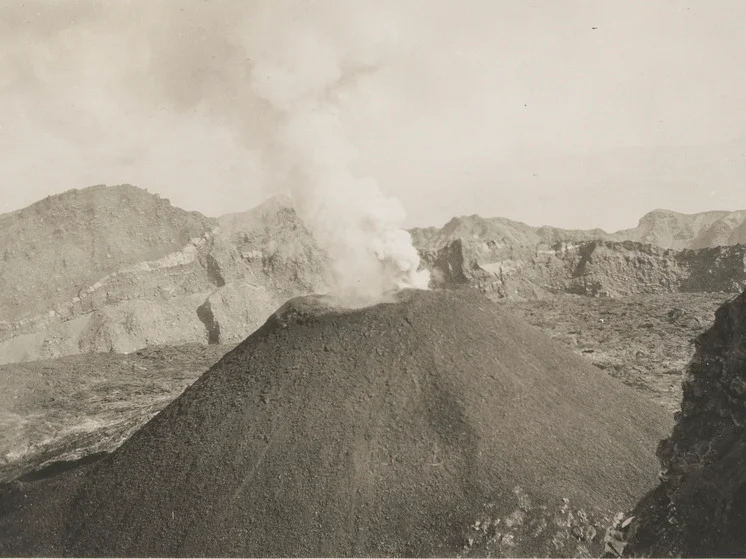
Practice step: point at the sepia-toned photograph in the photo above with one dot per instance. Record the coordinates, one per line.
(373, 278)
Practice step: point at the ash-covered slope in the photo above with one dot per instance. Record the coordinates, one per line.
(429, 425)
(700, 507)
(58, 246)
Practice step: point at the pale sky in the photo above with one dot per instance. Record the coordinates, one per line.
(562, 112)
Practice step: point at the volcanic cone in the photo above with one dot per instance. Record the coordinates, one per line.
(398, 429)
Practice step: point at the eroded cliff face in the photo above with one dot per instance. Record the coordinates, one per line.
(591, 268)
(215, 287)
(59, 246)
(699, 509)
(497, 268)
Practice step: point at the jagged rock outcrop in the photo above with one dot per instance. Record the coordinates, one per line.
(500, 257)
(699, 509)
(505, 269)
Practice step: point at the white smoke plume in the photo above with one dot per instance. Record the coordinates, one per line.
(259, 87)
(310, 157)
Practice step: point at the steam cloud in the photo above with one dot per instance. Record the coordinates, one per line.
(311, 158)
(258, 85)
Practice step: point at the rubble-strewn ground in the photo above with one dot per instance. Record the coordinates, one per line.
(643, 340)
(555, 528)
(68, 408)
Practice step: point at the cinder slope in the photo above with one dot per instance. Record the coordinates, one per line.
(381, 431)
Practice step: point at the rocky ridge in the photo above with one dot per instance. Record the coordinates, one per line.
(663, 228)
(188, 278)
(679, 231)
(504, 269)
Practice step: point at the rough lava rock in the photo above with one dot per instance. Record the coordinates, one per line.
(506, 270)
(646, 341)
(65, 409)
(699, 509)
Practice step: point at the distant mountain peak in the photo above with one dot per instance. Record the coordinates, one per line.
(671, 229)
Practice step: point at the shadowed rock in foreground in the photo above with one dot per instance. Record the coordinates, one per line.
(700, 507)
(435, 424)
